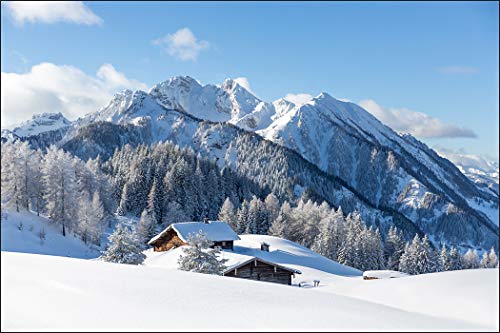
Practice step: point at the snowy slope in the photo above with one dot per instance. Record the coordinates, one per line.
(79, 294)
(27, 240)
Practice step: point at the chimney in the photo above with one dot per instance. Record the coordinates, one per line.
(205, 220)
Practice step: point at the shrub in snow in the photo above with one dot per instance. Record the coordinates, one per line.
(199, 257)
(20, 226)
(124, 247)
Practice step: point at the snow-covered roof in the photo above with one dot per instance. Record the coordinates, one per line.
(384, 274)
(215, 231)
(241, 263)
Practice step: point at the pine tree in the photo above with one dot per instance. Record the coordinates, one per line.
(445, 260)
(155, 202)
(456, 261)
(59, 183)
(393, 248)
(492, 259)
(471, 259)
(174, 214)
(242, 218)
(324, 241)
(272, 205)
(124, 247)
(200, 258)
(146, 228)
(424, 262)
(227, 213)
(280, 226)
(485, 260)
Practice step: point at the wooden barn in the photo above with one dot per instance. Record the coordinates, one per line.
(177, 234)
(262, 270)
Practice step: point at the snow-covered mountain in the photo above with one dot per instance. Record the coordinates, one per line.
(335, 148)
(39, 123)
(41, 130)
(481, 170)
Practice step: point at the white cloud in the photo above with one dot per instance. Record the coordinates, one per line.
(51, 12)
(457, 70)
(182, 44)
(51, 88)
(298, 98)
(416, 123)
(243, 81)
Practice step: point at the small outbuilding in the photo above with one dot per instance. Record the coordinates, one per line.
(177, 234)
(261, 270)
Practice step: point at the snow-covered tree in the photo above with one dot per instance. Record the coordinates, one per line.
(492, 259)
(455, 258)
(59, 183)
(393, 248)
(324, 243)
(15, 174)
(280, 226)
(272, 206)
(489, 260)
(174, 214)
(445, 259)
(227, 213)
(146, 228)
(242, 218)
(200, 258)
(471, 259)
(124, 247)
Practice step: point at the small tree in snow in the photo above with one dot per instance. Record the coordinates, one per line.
(199, 257)
(124, 248)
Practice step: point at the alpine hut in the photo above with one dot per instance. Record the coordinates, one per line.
(177, 234)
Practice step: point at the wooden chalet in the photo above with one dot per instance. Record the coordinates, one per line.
(261, 270)
(177, 234)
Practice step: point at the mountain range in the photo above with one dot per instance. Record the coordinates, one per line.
(333, 149)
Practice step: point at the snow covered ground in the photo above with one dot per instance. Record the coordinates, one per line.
(42, 292)
(27, 240)
(56, 293)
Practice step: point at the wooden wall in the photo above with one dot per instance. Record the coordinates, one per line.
(262, 272)
(168, 241)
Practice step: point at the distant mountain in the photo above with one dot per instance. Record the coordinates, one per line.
(41, 130)
(335, 149)
(481, 170)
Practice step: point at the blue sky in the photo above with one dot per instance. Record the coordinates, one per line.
(435, 64)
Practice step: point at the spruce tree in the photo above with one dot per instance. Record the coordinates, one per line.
(124, 247)
(199, 257)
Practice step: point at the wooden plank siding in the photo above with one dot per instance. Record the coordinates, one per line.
(172, 240)
(168, 241)
(256, 270)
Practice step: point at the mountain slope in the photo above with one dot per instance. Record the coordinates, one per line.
(336, 149)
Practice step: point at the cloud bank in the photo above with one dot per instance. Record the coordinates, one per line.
(416, 123)
(182, 45)
(51, 12)
(52, 88)
(298, 99)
